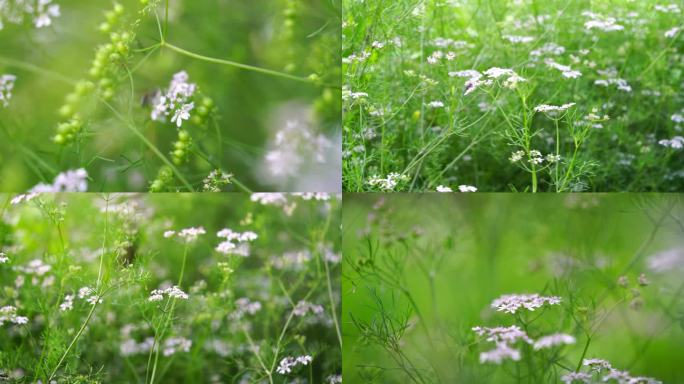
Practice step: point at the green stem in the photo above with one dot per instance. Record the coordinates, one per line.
(584, 353)
(149, 144)
(239, 65)
(74, 340)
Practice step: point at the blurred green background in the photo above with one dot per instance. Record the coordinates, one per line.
(251, 106)
(478, 247)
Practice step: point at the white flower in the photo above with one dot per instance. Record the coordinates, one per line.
(173, 345)
(44, 13)
(288, 363)
(551, 158)
(513, 303)
(303, 307)
(670, 33)
(516, 156)
(668, 260)
(467, 188)
(88, 294)
(497, 355)
(553, 340)
(606, 24)
(575, 377)
(9, 314)
(175, 101)
(552, 108)
(172, 292)
(676, 142)
(436, 104)
(68, 303)
(243, 306)
(509, 335)
(6, 86)
(519, 39)
(70, 181)
(441, 188)
(389, 183)
(670, 8)
(188, 235)
(182, 113)
(3, 258)
(295, 146)
(596, 365)
(496, 72)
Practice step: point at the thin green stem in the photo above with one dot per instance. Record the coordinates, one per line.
(149, 144)
(74, 340)
(240, 65)
(104, 244)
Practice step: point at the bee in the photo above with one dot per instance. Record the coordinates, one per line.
(148, 99)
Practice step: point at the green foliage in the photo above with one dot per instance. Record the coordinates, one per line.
(87, 285)
(421, 271)
(85, 87)
(410, 110)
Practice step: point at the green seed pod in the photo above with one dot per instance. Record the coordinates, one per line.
(105, 27)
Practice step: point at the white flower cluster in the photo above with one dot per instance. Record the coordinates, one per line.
(8, 314)
(536, 157)
(611, 78)
(435, 104)
(3, 258)
(461, 188)
(34, 267)
(670, 8)
(553, 340)
(318, 196)
(566, 70)
(275, 199)
(243, 306)
(70, 181)
(173, 345)
(545, 108)
(486, 78)
(40, 12)
(67, 304)
(604, 369)
(513, 303)
(293, 146)
(519, 39)
(288, 363)
(667, 260)
(388, 183)
(548, 49)
(334, 379)
(6, 87)
(172, 292)
(676, 142)
(294, 260)
(671, 33)
(606, 24)
(509, 335)
(130, 347)
(303, 307)
(215, 180)
(176, 101)
(188, 235)
(88, 294)
(235, 243)
(503, 337)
